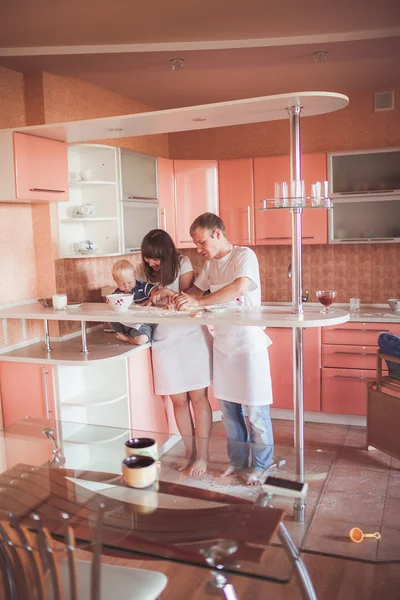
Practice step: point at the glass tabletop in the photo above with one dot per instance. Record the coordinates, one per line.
(51, 467)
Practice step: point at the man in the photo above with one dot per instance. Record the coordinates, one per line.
(241, 365)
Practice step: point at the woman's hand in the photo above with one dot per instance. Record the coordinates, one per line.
(159, 294)
(184, 301)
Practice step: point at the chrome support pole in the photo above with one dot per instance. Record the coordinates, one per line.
(85, 349)
(47, 346)
(297, 308)
(303, 578)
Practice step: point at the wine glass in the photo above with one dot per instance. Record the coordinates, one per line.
(326, 297)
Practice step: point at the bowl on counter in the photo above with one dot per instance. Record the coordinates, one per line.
(119, 301)
(394, 303)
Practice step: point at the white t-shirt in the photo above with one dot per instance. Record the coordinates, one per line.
(220, 272)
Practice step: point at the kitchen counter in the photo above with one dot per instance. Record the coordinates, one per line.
(265, 316)
(368, 313)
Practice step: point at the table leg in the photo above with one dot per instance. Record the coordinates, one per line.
(299, 506)
(303, 578)
(47, 346)
(85, 349)
(220, 582)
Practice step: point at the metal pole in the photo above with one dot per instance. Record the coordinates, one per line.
(85, 349)
(47, 346)
(297, 308)
(303, 578)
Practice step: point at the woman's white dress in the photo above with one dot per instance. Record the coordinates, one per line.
(181, 354)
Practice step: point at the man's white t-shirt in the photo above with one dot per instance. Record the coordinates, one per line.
(220, 272)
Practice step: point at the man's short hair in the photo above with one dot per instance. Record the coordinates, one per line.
(208, 221)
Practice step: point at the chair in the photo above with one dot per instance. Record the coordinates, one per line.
(35, 567)
(383, 404)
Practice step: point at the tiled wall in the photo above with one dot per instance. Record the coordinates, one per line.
(369, 272)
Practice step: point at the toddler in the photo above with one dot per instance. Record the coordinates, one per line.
(124, 276)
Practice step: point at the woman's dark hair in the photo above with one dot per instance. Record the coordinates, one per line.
(158, 244)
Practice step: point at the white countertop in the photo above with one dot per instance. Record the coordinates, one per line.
(368, 313)
(265, 316)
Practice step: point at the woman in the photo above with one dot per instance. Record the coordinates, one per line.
(181, 354)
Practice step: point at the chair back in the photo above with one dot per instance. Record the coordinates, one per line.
(30, 560)
(389, 347)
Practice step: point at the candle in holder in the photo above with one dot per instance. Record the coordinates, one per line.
(59, 301)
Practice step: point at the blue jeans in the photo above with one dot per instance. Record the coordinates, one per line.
(259, 434)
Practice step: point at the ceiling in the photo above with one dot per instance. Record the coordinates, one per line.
(231, 50)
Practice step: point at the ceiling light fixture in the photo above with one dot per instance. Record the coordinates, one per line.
(320, 56)
(177, 63)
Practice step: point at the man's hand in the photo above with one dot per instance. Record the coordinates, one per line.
(184, 301)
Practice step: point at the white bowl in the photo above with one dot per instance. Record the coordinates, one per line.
(394, 303)
(119, 301)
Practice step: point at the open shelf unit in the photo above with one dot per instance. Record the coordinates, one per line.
(94, 179)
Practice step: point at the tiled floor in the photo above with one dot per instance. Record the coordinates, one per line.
(360, 489)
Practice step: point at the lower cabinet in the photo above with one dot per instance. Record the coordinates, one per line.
(27, 390)
(348, 364)
(281, 361)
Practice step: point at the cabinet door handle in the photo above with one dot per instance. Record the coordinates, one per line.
(46, 392)
(363, 330)
(275, 238)
(164, 214)
(308, 237)
(249, 224)
(186, 241)
(352, 377)
(47, 190)
(358, 353)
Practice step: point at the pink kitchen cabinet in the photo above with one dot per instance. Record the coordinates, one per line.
(196, 192)
(33, 169)
(27, 390)
(166, 196)
(236, 199)
(274, 226)
(281, 361)
(344, 391)
(362, 334)
(148, 412)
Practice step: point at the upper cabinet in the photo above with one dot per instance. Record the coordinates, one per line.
(196, 192)
(138, 176)
(166, 196)
(32, 169)
(236, 199)
(274, 226)
(90, 222)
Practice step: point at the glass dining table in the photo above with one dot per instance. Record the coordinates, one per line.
(221, 524)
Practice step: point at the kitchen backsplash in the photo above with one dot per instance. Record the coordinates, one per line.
(370, 272)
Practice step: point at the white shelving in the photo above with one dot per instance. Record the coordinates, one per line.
(94, 179)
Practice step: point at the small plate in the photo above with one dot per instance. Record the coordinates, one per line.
(74, 305)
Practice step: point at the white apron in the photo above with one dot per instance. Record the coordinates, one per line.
(241, 363)
(182, 358)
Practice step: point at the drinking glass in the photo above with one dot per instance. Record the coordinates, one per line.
(326, 297)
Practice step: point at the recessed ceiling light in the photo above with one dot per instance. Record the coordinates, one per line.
(320, 56)
(199, 119)
(114, 129)
(177, 63)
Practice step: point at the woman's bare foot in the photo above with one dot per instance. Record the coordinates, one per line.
(183, 463)
(198, 468)
(228, 471)
(139, 340)
(253, 477)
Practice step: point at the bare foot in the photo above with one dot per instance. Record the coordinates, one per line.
(121, 336)
(198, 468)
(183, 463)
(228, 471)
(253, 477)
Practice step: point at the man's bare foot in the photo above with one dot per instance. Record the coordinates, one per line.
(228, 471)
(253, 477)
(198, 468)
(139, 340)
